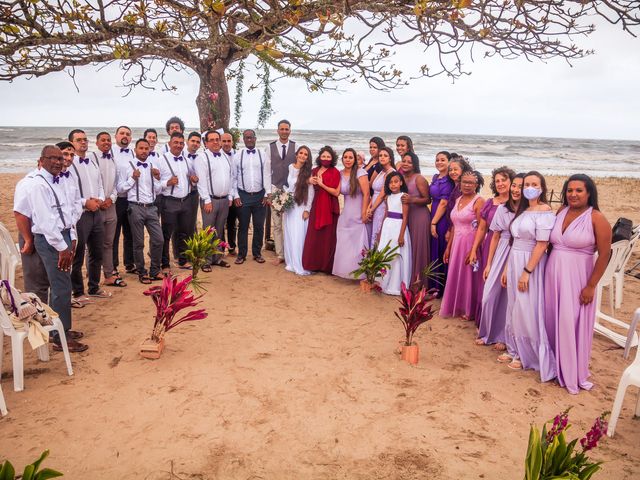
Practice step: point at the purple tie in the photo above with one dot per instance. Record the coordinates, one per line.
(84, 160)
(153, 154)
(124, 150)
(192, 156)
(64, 174)
(284, 151)
(252, 151)
(106, 155)
(216, 154)
(178, 159)
(56, 179)
(142, 164)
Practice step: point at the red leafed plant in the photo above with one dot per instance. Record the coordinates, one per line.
(415, 309)
(169, 298)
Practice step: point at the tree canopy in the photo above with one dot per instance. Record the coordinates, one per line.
(323, 43)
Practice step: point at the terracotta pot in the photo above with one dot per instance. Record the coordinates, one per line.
(365, 286)
(151, 349)
(410, 353)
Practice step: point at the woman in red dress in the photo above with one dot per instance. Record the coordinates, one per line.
(320, 242)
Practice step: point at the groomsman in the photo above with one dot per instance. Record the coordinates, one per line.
(191, 154)
(176, 179)
(281, 153)
(232, 219)
(55, 239)
(174, 124)
(214, 169)
(123, 154)
(252, 182)
(140, 181)
(151, 136)
(108, 172)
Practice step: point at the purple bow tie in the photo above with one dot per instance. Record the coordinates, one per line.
(178, 159)
(142, 164)
(124, 150)
(56, 179)
(84, 160)
(106, 155)
(192, 156)
(64, 174)
(253, 150)
(216, 154)
(153, 154)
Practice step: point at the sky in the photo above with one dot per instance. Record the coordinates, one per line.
(597, 97)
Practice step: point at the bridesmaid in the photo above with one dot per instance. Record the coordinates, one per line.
(571, 279)
(500, 183)
(320, 242)
(527, 343)
(295, 220)
(419, 217)
(352, 235)
(458, 165)
(404, 144)
(376, 209)
(375, 145)
(460, 297)
(494, 297)
(439, 190)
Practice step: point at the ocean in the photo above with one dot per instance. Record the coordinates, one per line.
(20, 147)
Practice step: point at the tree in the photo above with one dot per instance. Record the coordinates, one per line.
(323, 43)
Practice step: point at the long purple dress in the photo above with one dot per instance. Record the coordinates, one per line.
(525, 333)
(352, 235)
(419, 223)
(494, 297)
(460, 297)
(440, 189)
(487, 212)
(378, 213)
(569, 325)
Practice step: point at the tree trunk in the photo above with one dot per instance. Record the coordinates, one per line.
(213, 97)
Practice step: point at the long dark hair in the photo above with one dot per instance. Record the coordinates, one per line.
(332, 152)
(415, 161)
(387, 180)
(378, 141)
(524, 202)
(301, 190)
(354, 186)
(391, 156)
(504, 171)
(589, 185)
(510, 203)
(407, 140)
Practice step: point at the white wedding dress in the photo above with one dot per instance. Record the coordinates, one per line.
(295, 227)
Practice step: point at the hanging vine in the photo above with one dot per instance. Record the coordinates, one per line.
(237, 108)
(265, 105)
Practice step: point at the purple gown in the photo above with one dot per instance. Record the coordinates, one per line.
(525, 333)
(352, 235)
(487, 212)
(378, 213)
(440, 189)
(569, 325)
(494, 297)
(460, 297)
(419, 223)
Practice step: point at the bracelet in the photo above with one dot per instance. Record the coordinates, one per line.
(434, 224)
(527, 270)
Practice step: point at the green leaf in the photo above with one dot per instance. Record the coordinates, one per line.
(47, 473)
(7, 472)
(533, 460)
(28, 472)
(36, 464)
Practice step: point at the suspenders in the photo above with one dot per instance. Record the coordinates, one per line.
(242, 168)
(55, 195)
(75, 169)
(171, 170)
(153, 192)
(209, 168)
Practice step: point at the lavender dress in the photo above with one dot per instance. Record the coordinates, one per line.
(525, 333)
(352, 235)
(569, 325)
(440, 189)
(494, 297)
(487, 212)
(378, 213)
(419, 222)
(460, 297)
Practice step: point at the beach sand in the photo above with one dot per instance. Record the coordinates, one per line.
(296, 377)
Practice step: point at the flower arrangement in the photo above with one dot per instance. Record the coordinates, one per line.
(414, 310)
(281, 201)
(200, 246)
(549, 456)
(375, 263)
(170, 298)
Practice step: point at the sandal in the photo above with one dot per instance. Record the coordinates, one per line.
(158, 277)
(74, 334)
(118, 282)
(505, 358)
(515, 364)
(144, 279)
(73, 345)
(76, 304)
(206, 268)
(101, 294)
(222, 264)
(239, 260)
(83, 299)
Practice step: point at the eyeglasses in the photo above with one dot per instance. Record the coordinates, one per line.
(54, 157)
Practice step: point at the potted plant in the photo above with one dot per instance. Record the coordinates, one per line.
(169, 298)
(374, 263)
(549, 456)
(415, 310)
(200, 246)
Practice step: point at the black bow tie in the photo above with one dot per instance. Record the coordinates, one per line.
(192, 156)
(143, 164)
(84, 160)
(106, 155)
(124, 150)
(56, 179)
(253, 150)
(64, 174)
(216, 154)
(178, 159)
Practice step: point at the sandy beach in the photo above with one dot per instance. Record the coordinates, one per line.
(296, 378)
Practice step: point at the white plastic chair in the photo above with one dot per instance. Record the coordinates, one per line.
(618, 275)
(9, 255)
(631, 339)
(631, 376)
(17, 347)
(3, 405)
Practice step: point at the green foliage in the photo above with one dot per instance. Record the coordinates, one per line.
(265, 105)
(237, 108)
(31, 472)
(200, 246)
(375, 263)
(431, 272)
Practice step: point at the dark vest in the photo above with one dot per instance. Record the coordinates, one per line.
(280, 166)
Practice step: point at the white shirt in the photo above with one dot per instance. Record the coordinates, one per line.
(215, 175)
(180, 168)
(50, 216)
(148, 187)
(108, 172)
(21, 203)
(122, 157)
(87, 177)
(251, 175)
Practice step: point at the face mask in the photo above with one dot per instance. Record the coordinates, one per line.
(325, 163)
(531, 193)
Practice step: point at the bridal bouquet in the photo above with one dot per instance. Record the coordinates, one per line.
(281, 201)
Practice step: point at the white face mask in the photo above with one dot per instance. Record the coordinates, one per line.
(531, 193)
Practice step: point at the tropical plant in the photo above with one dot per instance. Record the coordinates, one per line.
(200, 246)
(170, 298)
(431, 272)
(549, 456)
(31, 472)
(415, 309)
(375, 263)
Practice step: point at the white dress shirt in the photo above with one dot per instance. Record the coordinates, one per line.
(252, 172)
(51, 212)
(122, 156)
(148, 187)
(279, 145)
(21, 202)
(215, 175)
(181, 168)
(87, 176)
(108, 172)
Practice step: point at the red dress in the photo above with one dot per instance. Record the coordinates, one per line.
(320, 242)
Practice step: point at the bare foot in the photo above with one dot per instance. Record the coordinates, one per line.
(500, 347)
(278, 261)
(479, 341)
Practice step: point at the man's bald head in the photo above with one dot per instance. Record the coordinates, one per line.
(227, 142)
(51, 159)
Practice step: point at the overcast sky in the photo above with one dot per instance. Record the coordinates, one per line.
(596, 98)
